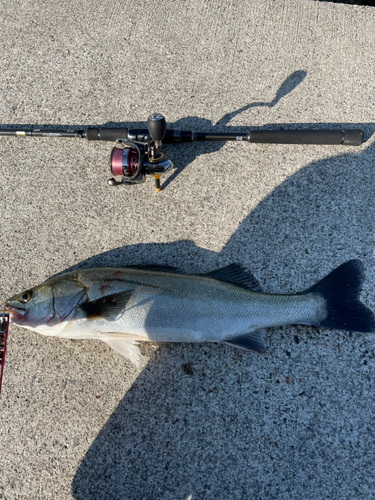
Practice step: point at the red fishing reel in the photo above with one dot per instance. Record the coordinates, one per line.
(127, 160)
(4, 324)
(134, 160)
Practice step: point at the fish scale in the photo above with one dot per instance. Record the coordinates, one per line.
(201, 309)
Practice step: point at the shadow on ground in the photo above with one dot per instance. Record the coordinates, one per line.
(207, 421)
(369, 3)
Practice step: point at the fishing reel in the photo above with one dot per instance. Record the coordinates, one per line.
(133, 160)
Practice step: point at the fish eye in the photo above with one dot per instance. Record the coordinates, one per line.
(26, 296)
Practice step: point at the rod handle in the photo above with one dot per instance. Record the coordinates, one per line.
(346, 137)
(106, 134)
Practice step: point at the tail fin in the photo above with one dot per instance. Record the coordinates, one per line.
(341, 289)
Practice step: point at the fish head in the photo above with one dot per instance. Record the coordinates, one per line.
(46, 306)
(31, 307)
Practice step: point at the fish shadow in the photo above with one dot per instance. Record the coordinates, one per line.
(191, 424)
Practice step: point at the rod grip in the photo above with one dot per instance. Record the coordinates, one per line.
(106, 134)
(346, 137)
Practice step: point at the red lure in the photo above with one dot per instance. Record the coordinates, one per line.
(4, 324)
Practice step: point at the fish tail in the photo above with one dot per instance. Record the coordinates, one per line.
(341, 290)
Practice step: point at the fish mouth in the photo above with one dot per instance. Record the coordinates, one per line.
(15, 312)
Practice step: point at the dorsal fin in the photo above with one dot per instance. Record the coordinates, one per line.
(236, 274)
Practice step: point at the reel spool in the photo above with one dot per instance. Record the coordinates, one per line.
(127, 160)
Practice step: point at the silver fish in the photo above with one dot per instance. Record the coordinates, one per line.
(124, 305)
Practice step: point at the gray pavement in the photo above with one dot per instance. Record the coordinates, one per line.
(198, 421)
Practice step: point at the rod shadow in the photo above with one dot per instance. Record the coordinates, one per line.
(194, 424)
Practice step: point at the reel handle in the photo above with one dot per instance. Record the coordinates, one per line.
(156, 126)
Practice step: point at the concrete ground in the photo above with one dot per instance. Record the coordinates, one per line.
(198, 421)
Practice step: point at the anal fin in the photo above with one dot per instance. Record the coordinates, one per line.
(253, 341)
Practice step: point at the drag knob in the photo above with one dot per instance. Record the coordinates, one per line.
(156, 126)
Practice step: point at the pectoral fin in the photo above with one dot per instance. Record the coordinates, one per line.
(253, 341)
(128, 348)
(107, 306)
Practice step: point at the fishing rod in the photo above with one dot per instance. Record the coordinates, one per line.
(4, 324)
(138, 151)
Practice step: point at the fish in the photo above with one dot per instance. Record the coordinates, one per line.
(123, 306)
